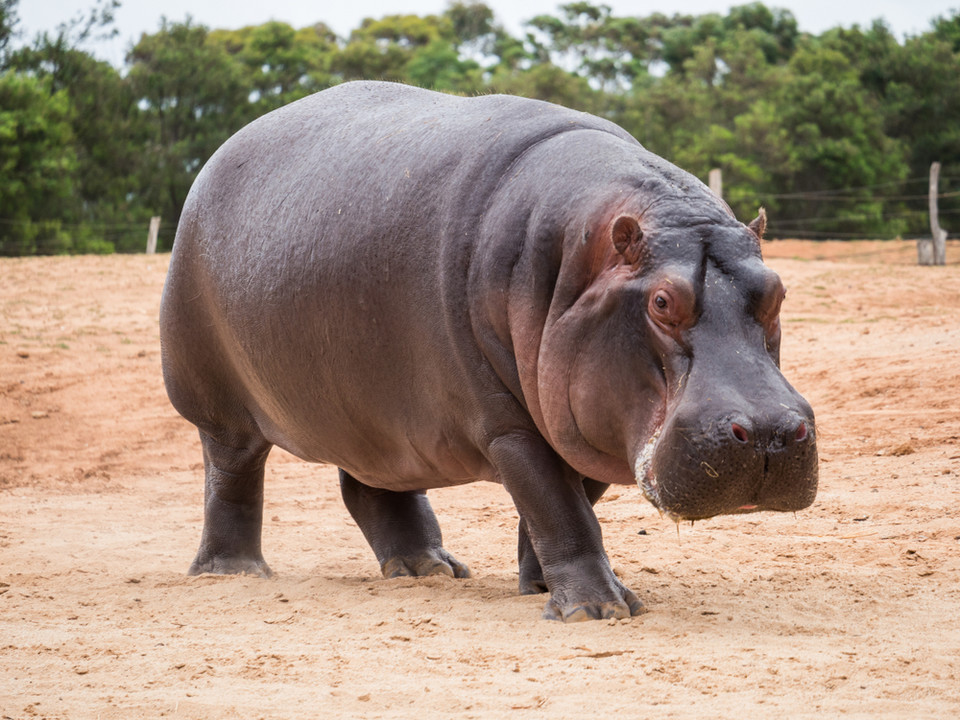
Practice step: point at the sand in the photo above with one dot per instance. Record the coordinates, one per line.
(851, 607)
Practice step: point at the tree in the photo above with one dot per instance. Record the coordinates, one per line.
(837, 142)
(473, 27)
(916, 88)
(281, 64)
(546, 81)
(102, 117)
(611, 52)
(189, 113)
(715, 112)
(87, 150)
(439, 66)
(8, 27)
(948, 29)
(105, 134)
(776, 29)
(37, 164)
(381, 49)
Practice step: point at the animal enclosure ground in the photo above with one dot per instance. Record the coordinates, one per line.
(851, 607)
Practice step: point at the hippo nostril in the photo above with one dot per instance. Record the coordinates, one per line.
(801, 432)
(740, 433)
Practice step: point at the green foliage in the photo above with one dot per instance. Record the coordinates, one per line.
(106, 133)
(8, 27)
(279, 64)
(37, 164)
(809, 127)
(188, 112)
(775, 29)
(438, 66)
(947, 29)
(612, 51)
(838, 142)
(383, 49)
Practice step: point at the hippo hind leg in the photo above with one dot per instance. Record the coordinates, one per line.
(531, 574)
(402, 530)
(233, 507)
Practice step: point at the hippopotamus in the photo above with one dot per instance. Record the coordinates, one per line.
(427, 290)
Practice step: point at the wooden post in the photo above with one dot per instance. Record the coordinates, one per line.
(716, 182)
(152, 235)
(934, 250)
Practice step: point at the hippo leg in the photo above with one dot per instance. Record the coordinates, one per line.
(232, 508)
(531, 574)
(563, 531)
(402, 530)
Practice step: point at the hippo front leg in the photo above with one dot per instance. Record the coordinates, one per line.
(402, 530)
(563, 531)
(531, 574)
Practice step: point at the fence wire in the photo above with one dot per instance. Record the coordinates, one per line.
(901, 214)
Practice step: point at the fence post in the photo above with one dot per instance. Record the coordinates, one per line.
(152, 235)
(716, 182)
(933, 251)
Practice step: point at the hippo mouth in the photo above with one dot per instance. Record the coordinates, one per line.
(647, 482)
(645, 477)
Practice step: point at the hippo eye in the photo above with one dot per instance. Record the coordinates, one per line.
(671, 305)
(769, 311)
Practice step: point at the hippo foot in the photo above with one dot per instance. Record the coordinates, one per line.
(568, 609)
(219, 565)
(533, 585)
(531, 574)
(429, 562)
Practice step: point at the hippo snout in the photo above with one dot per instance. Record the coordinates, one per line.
(790, 428)
(738, 462)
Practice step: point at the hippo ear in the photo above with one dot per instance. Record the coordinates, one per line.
(627, 237)
(759, 224)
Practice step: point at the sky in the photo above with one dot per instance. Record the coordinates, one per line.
(905, 17)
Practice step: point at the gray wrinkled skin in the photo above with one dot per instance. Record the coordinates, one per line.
(427, 290)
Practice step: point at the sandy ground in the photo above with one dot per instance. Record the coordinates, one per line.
(850, 608)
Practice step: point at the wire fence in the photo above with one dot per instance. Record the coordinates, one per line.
(52, 237)
(883, 211)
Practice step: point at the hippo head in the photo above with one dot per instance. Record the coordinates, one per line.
(664, 369)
